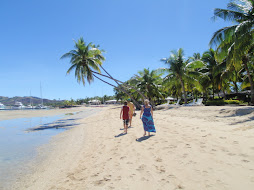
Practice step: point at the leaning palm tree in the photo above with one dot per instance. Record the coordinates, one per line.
(83, 60)
(87, 60)
(235, 43)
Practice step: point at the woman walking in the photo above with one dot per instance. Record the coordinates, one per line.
(147, 118)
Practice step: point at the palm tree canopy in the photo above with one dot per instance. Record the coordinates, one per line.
(84, 59)
(238, 37)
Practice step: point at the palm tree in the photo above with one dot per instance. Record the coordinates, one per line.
(177, 68)
(211, 69)
(87, 60)
(84, 61)
(149, 84)
(235, 43)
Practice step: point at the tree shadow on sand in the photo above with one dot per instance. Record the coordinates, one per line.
(143, 138)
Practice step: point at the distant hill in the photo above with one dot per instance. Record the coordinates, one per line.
(26, 100)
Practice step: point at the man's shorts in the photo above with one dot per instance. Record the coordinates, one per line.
(126, 121)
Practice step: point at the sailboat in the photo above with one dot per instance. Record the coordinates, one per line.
(30, 106)
(41, 106)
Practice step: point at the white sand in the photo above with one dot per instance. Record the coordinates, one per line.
(194, 148)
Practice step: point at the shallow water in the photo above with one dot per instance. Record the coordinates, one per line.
(18, 146)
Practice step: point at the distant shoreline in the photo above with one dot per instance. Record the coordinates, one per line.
(14, 114)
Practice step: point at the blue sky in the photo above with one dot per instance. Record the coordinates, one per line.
(135, 34)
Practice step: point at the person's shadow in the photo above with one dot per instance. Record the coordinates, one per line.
(121, 134)
(143, 138)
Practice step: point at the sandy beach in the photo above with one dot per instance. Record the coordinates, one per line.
(194, 148)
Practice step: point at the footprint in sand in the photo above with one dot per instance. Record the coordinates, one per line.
(119, 178)
(99, 183)
(144, 179)
(243, 155)
(141, 167)
(246, 161)
(71, 176)
(161, 169)
(158, 160)
(171, 176)
(223, 137)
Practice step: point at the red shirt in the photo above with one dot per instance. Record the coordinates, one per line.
(126, 112)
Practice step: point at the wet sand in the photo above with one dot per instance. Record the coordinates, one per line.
(194, 148)
(14, 114)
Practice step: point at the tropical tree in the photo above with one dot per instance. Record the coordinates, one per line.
(176, 68)
(149, 82)
(180, 69)
(211, 69)
(87, 59)
(235, 43)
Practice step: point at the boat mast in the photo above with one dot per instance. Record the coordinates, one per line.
(41, 95)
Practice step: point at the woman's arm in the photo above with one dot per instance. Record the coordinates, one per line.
(141, 112)
(152, 111)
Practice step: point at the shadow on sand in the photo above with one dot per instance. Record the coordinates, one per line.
(121, 134)
(58, 125)
(143, 138)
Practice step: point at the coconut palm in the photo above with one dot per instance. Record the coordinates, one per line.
(84, 61)
(149, 83)
(235, 42)
(87, 60)
(177, 68)
(211, 69)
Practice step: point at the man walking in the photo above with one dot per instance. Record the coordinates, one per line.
(132, 110)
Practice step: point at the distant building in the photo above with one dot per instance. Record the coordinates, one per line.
(94, 102)
(111, 101)
(170, 99)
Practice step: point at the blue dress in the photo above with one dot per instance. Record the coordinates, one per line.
(147, 120)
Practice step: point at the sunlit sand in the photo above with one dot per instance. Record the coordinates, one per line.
(194, 148)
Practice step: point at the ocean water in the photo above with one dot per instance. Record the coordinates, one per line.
(18, 144)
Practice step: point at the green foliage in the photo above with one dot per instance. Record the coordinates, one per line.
(215, 103)
(233, 102)
(220, 102)
(85, 59)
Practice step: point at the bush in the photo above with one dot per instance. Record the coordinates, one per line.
(232, 101)
(215, 103)
(222, 102)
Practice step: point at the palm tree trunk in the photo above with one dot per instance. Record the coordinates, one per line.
(184, 93)
(117, 82)
(123, 90)
(245, 61)
(236, 87)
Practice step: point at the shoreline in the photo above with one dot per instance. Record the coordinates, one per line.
(15, 114)
(67, 119)
(214, 144)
